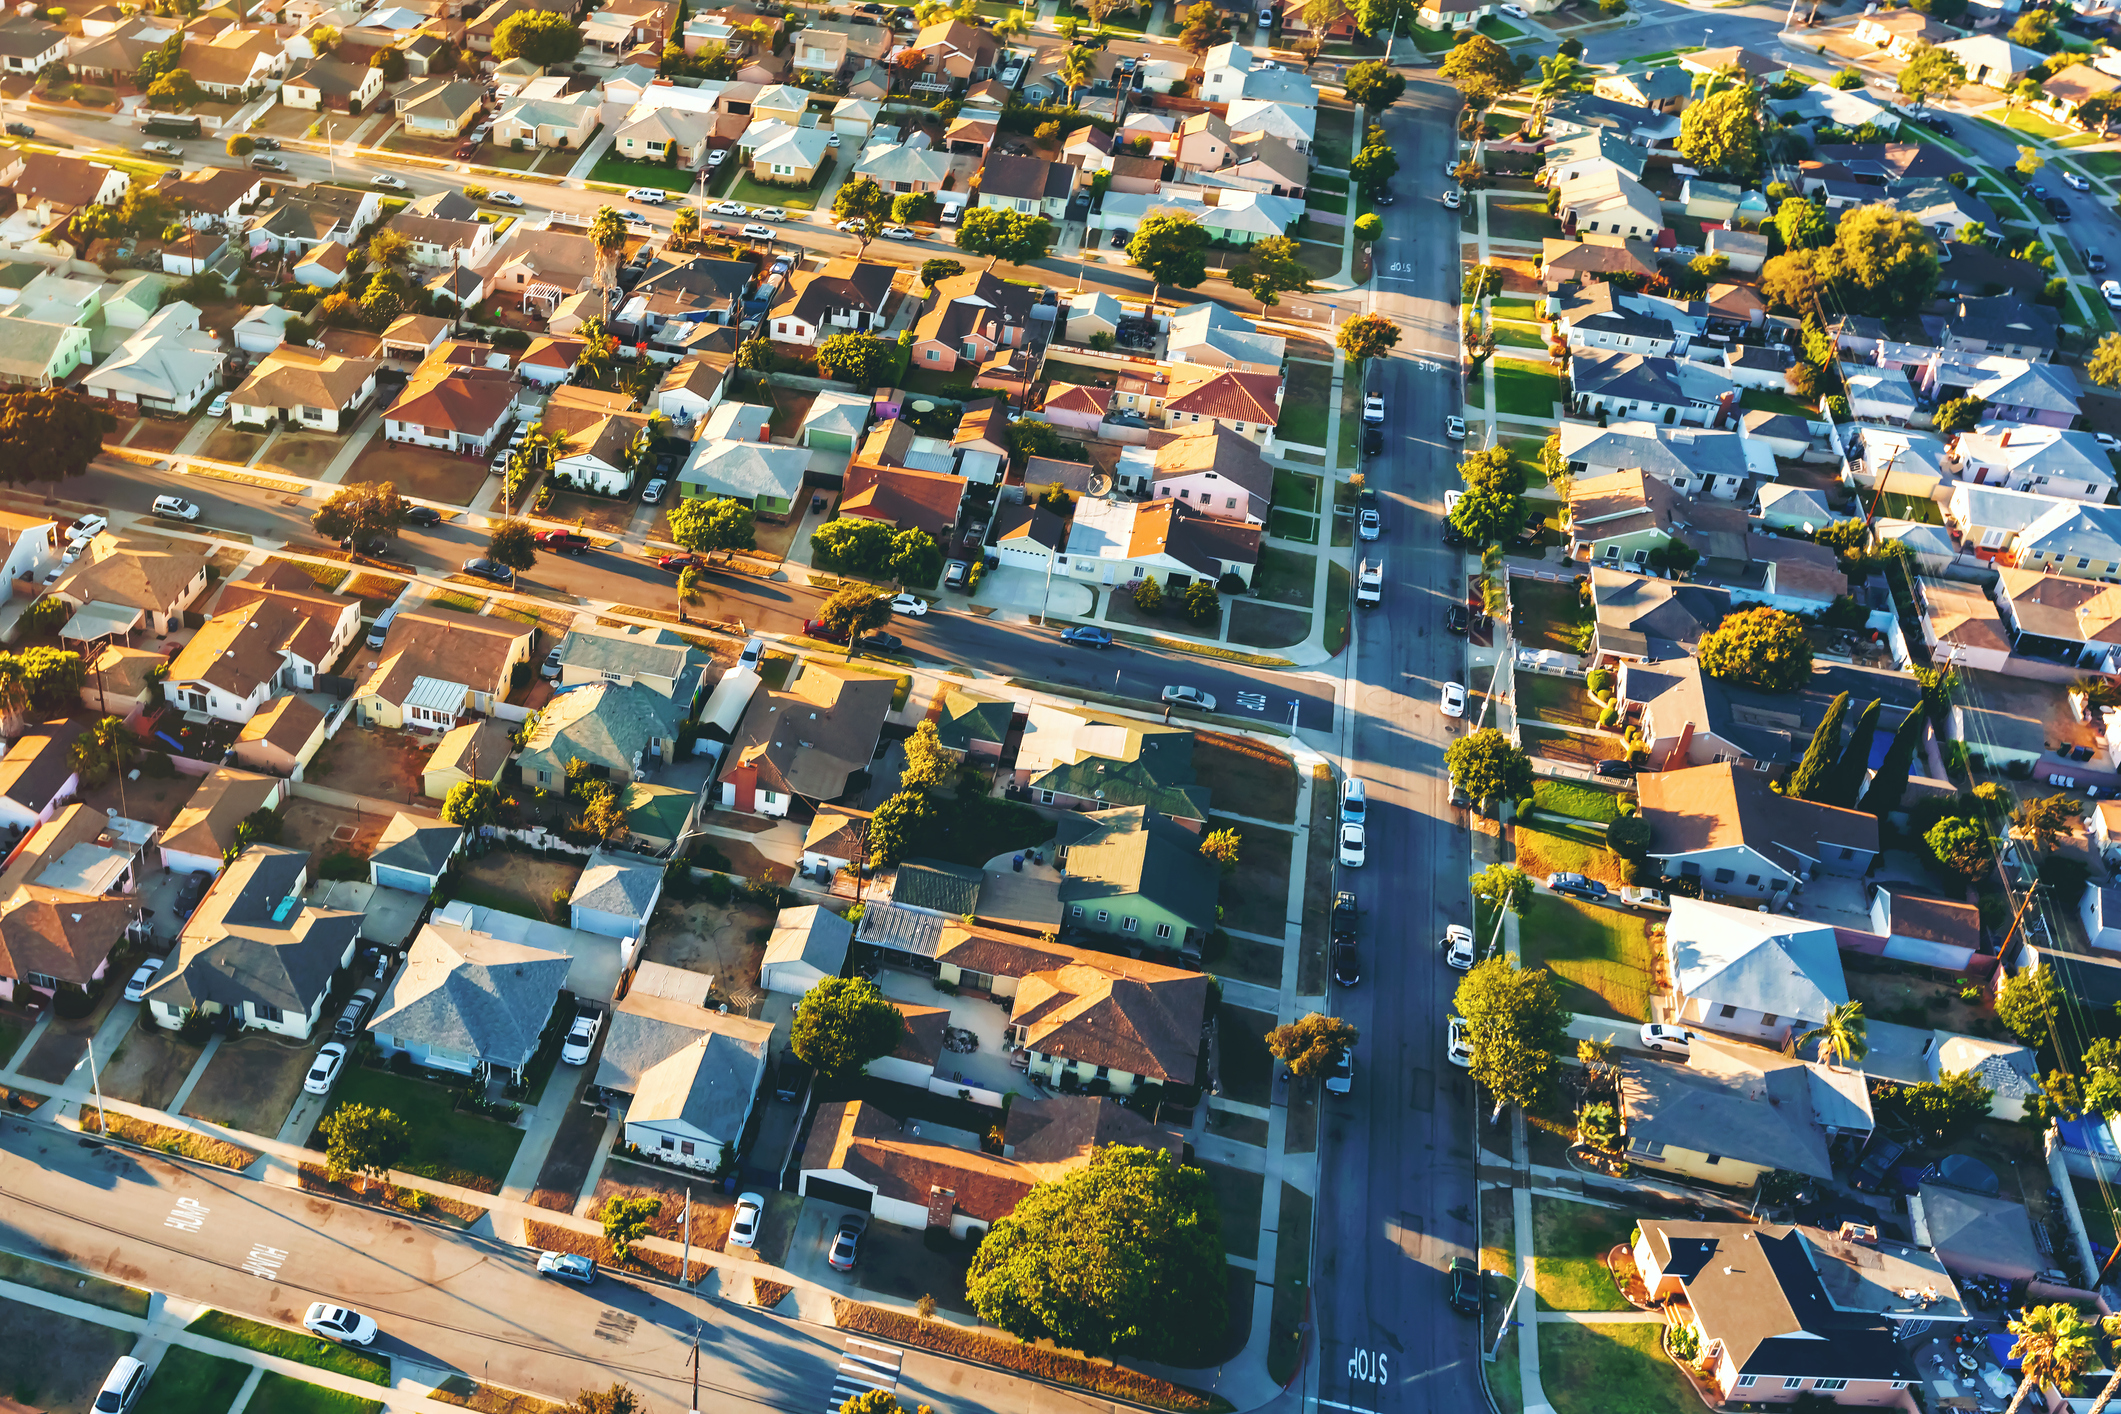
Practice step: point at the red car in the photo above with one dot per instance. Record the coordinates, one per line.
(679, 562)
(565, 542)
(816, 629)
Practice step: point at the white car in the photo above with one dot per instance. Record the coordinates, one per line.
(729, 208)
(390, 183)
(771, 213)
(1189, 697)
(648, 196)
(219, 406)
(504, 198)
(1354, 846)
(1661, 1038)
(2080, 183)
(1515, 12)
(717, 157)
(1453, 700)
(899, 233)
(2108, 441)
(856, 225)
(833, 141)
(1452, 200)
(1458, 1048)
(1646, 898)
(1455, 428)
(86, 528)
(1369, 525)
(1373, 407)
(176, 508)
(331, 1059)
(759, 233)
(340, 1323)
(143, 977)
(744, 1223)
(2111, 289)
(1342, 1080)
(653, 491)
(909, 604)
(583, 1034)
(1458, 947)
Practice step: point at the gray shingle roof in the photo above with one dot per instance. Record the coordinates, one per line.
(618, 885)
(708, 1084)
(469, 993)
(934, 884)
(417, 846)
(253, 940)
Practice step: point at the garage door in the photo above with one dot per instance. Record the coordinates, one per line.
(826, 1191)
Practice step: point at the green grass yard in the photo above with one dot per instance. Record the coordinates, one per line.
(449, 1145)
(1525, 389)
(1521, 219)
(1610, 1369)
(1577, 801)
(1524, 455)
(1518, 336)
(1292, 525)
(1305, 404)
(1554, 617)
(1601, 959)
(299, 1346)
(2024, 120)
(621, 172)
(2104, 164)
(1513, 307)
(1572, 1240)
(1295, 491)
(191, 1382)
(281, 1394)
(1767, 400)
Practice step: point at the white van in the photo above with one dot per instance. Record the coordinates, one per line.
(381, 627)
(754, 650)
(1354, 800)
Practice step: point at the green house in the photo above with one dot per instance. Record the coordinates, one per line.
(1138, 876)
(1074, 758)
(974, 723)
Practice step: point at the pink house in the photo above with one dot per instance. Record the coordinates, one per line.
(1072, 405)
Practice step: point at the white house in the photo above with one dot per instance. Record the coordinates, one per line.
(170, 365)
(615, 895)
(808, 945)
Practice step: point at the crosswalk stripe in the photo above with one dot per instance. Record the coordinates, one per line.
(869, 1362)
(890, 1350)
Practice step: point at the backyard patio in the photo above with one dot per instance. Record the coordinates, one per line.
(988, 1067)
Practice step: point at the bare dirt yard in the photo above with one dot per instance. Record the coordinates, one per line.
(599, 513)
(149, 1066)
(252, 1082)
(158, 434)
(375, 762)
(328, 829)
(233, 444)
(302, 453)
(522, 883)
(154, 801)
(711, 1211)
(421, 472)
(725, 940)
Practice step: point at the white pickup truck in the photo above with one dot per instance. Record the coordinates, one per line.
(1370, 583)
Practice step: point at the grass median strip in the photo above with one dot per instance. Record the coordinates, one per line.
(181, 1142)
(299, 1346)
(76, 1286)
(314, 1178)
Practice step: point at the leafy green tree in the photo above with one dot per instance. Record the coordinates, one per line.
(1944, 1110)
(1203, 604)
(174, 91)
(842, 1024)
(1958, 415)
(1173, 248)
(1310, 1046)
(2054, 1344)
(2048, 821)
(861, 199)
(1724, 132)
(852, 545)
(1804, 224)
(1488, 516)
(1370, 226)
(360, 511)
(619, 1399)
(713, 523)
(1931, 72)
(860, 359)
(1271, 267)
(928, 762)
(1629, 837)
(514, 544)
(685, 226)
(1790, 282)
(471, 804)
(1015, 236)
(1516, 1027)
(49, 434)
(51, 676)
(1960, 846)
(2030, 161)
(1203, 27)
(364, 1140)
(915, 557)
(239, 145)
(942, 267)
(1561, 75)
(902, 826)
(1809, 780)
(1846, 783)
(539, 36)
(1224, 847)
(1367, 336)
(1887, 787)
(855, 610)
(1882, 261)
(1503, 886)
(755, 354)
(1765, 649)
(875, 1401)
(2027, 1003)
(1149, 596)
(1091, 1260)
(1373, 85)
(1480, 69)
(1487, 765)
(1846, 80)
(1374, 166)
(2035, 29)
(627, 1218)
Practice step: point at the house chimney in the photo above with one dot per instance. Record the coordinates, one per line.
(2006, 438)
(1677, 756)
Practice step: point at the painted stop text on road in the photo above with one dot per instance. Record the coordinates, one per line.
(1367, 1367)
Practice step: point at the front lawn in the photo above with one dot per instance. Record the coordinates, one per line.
(1524, 455)
(1544, 848)
(1525, 389)
(1578, 802)
(1769, 400)
(1525, 219)
(1610, 1369)
(1255, 899)
(621, 172)
(1247, 1066)
(755, 193)
(1246, 776)
(1601, 957)
(1552, 612)
(1571, 1240)
(1562, 701)
(1284, 577)
(2024, 120)
(282, 1394)
(1335, 139)
(1305, 402)
(449, 1145)
(192, 1382)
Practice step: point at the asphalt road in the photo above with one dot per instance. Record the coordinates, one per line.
(443, 1300)
(1396, 1190)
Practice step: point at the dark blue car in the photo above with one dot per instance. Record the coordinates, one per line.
(1087, 636)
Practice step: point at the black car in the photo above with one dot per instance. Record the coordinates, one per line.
(1937, 125)
(20, 130)
(2038, 191)
(1458, 618)
(193, 892)
(490, 569)
(1620, 770)
(1087, 636)
(1381, 197)
(266, 144)
(2058, 208)
(1347, 963)
(1875, 1172)
(1465, 1286)
(666, 465)
(882, 642)
(1452, 535)
(422, 515)
(1373, 441)
(1344, 914)
(817, 503)
(373, 545)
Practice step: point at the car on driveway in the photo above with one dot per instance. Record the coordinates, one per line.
(1577, 886)
(909, 604)
(194, 890)
(1458, 1045)
(1087, 636)
(1640, 897)
(1455, 428)
(581, 1036)
(847, 1242)
(1663, 1039)
(552, 665)
(1354, 846)
(143, 977)
(1515, 12)
(389, 183)
(331, 1059)
(653, 491)
(219, 406)
(1465, 1272)
(568, 1266)
(1189, 697)
(340, 1323)
(1458, 947)
(744, 1222)
(1453, 699)
(88, 527)
(356, 1011)
(127, 1379)
(1874, 1173)
(490, 569)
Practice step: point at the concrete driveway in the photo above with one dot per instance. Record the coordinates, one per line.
(1012, 587)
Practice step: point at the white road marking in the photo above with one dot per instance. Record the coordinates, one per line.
(188, 1216)
(264, 1261)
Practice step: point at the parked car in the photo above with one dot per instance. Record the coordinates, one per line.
(493, 570)
(1874, 1173)
(717, 157)
(1465, 1272)
(744, 1222)
(1342, 1080)
(194, 890)
(22, 130)
(1373, 407)
(823, 632)
(175, 508)
(955, 573)
(551, 668)
(356, 1011)
(2057, 208)
(1086, 636)
(1453, 699)
(331, 1059)
(1618, 770)
(504, 198)
(1667, 1040)
(340, 1323)
(143, 977)
(730, 208)
(1458, 1045)
(1354, 800)
(1373, 441)
(268, 164)
(581, 1036)
(1189, 697)
(568, 1266)
(1344, 913)
(1354, 846)
(2110, 290)
(122, 1386)
(389, 183)
(88, 527)
(219, 406)
(1369, 524)
(790, 1077)
(897, 233)
(1646, 898)
(909, 604)
(165, 149)
(1458, 619)
(422, 515)
(1458, 947)
(1577, 885)
(2094, 262)
(647, 196)
(847, 1243)
(1347, 963)
(2072, 179)
(653, 491)
(565, 542)
(1452, 200)
(1455, 428)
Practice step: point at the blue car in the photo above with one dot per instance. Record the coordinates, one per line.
(1086, 636)
(1576, 884)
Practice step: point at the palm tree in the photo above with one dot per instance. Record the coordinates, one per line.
(685, 226)
(1075, 70)
(2054, 1346)
(14, 696)
(2112, 1326)
(608, 234)
(1840, 1036)
(1559, 76)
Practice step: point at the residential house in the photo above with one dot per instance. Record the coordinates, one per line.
(437, 242)
(621, 732)
(1791, 508)
(170, 365)
(132, 584)
(804, 740)
(1653, 389)
(2010, 389)
(1727, 828)
(1609, 200)
(563, 123)
(452, 408)
(842, 296)
(1689, 718)
(615, 895)
(946, 54)
(237, 63)
(1030, 185)
(1118, 542)
(65, 902)
(1215, 470)
(254, 949)
(213, 194)
(332, 85)
(441, 109)
(808, 945)
(38, 355)
(1991, 519)
(654, 658)
(971, 317)
(302, 219)
(2075, 539)
(316, 392)
(838, 837)
(686, 1075)
(2001, 324)
(1623, 517)
(1665, 89)
(692, 388)
(438, 666)
(1212, 336)
(899, 168)
(1901, 32)
(469, 1003)
(2044, 460)
(1705, 1120)
(199, 839)
(1077, 758)
(2065, 92)
(903, 496)
(476, 750)
(53, 186)
(1881, 395)
(280, 737)
(2076, 621)
(27, 44)
(1248, 404)
(781, 155)
(1573, 159)
(1293, 124)
(1746, 250)
(272, 634)
(731, 457)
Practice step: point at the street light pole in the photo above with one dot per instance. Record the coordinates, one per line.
(95, 1079)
